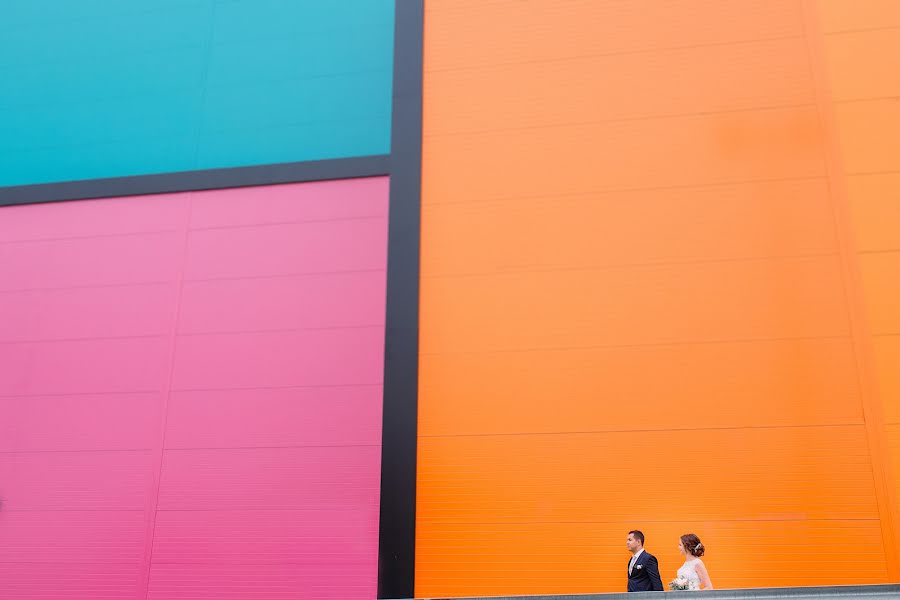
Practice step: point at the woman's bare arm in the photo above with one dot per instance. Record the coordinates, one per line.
(704, 575)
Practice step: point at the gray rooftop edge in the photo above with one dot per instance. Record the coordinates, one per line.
(868, 592)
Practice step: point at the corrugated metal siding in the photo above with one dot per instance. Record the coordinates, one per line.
(191, 394)
(633, 299)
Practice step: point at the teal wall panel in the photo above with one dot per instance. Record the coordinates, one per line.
(99, 88)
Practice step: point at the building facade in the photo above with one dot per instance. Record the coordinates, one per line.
(390, 298)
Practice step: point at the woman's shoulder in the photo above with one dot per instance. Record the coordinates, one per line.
(692, 562)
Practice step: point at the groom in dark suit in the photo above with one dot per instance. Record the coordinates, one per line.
(643, 568)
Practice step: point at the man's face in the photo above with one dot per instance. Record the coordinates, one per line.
(632, 544)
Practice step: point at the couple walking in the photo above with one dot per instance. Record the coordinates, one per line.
(643, 568)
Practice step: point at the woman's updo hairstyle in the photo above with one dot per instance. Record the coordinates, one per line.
(693, 545)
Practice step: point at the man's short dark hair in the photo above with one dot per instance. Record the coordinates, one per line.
(638, 535)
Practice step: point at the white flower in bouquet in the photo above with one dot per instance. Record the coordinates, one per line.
(681, 584)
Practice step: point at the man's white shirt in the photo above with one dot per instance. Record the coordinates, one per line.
(634, 560)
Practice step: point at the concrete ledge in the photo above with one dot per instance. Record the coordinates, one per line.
(867, 592)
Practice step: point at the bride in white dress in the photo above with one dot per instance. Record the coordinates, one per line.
(693, 570)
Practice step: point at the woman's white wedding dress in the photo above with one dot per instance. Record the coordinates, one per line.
(688, 571)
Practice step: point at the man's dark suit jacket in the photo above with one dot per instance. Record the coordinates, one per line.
(644, 575)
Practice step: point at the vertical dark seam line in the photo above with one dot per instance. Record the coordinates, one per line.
(397, 522)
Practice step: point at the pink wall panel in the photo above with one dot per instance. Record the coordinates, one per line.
(288, 249)
(301, 478)
(72, 537)
(89, 480)
(86, 292)
(119, 311)
(82, 366)
(67, 220)
(257, 556)
(317, 201)
(222, 581)
(109, 581)
(268, 417)
(69, 422)
(257, 538)
(295, 302)
(91, 261)
(309, 357)
(191, 391)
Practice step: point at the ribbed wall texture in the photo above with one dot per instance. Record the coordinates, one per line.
(641, 303)
(191, 394)
(91, 88)
(861, 61)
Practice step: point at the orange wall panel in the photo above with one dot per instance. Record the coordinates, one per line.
(850, 15)
(863, 64)
(547, 514)
(696, 302)
(757, 145)
(881, 283)
(861, 55)
(618, 86)
(870, 135)
(597, 389)
(558, 558)
(556, 478)
(749, 220)
(636, 309)
(875, 205)
(893, 431)
(887, 364)
(509, 31)
(893, 439)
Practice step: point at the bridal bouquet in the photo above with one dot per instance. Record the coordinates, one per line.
(682, 585)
